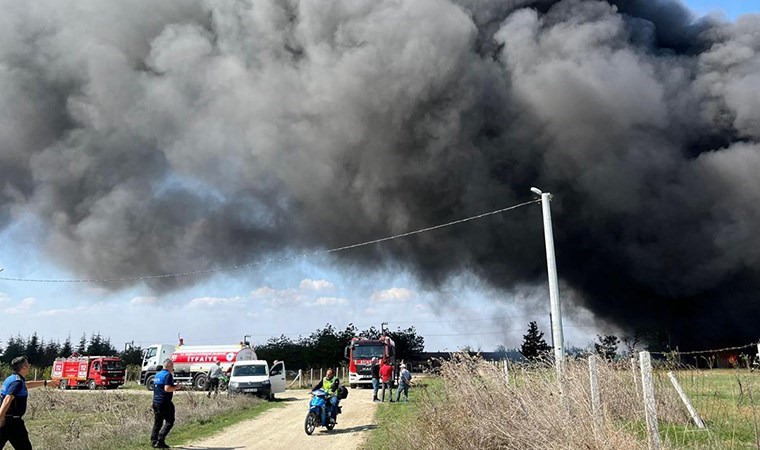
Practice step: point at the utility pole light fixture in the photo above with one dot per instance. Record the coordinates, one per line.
(551, 264)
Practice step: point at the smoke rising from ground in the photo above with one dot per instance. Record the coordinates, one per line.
(153, 138)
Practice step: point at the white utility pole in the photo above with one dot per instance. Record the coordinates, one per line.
(551, 264)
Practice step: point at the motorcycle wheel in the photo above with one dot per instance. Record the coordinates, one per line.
(311, 423)
(330, 426)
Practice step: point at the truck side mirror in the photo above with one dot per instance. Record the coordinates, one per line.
(345, 351)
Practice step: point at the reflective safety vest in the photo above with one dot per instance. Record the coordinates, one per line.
(328, 383)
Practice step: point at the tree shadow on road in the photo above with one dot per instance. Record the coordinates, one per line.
(356, 429)
(207, 448)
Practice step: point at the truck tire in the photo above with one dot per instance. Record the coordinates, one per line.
(63, 385)
(149, 382)
(353, 386)
(91, 385)
(200, 382)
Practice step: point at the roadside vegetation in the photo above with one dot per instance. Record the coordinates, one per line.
(394, 418)
(122, 420)
(472, 404)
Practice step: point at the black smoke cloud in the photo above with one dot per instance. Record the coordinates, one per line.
(154, 137)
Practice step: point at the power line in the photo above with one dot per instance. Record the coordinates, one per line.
(270, 261)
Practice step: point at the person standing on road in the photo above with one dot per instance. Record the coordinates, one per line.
(13, 406)
(214, 375)
(404, 381)
(375, 379)
(163, 408)
(386, 376)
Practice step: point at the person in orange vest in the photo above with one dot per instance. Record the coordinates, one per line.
(386, 377)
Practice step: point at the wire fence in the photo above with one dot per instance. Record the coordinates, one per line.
(599, 404)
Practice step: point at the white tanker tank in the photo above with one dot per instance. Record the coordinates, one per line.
(192, 362)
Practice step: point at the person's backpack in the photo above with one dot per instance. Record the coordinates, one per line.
(342, 392)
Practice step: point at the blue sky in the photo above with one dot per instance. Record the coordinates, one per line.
(731, 8)
(292, 299)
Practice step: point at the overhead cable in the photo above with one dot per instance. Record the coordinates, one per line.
(204, 272)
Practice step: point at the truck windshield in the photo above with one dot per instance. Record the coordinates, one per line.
(247, 371)
(368, 351)
(113, 365)
(151, 352)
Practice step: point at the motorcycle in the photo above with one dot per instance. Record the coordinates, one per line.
(320, 403)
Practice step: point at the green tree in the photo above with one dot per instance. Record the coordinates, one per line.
(607, 346)
(132, 355)
(14, 348)
(409, 344)
(33, 350)
(534, 345)
(66, 349)
(82, 347)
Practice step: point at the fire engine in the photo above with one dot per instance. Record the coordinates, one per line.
(88, 371)
(192, 362)
(360, 353)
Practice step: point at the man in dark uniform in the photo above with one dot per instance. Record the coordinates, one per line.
(163, 408)
(13, 406)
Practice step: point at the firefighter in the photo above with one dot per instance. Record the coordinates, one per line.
(13, 406)
(163, 408)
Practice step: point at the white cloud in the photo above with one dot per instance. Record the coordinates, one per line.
(144, 301)
(392, 295)
(326, 301)
(215, 301)
(24, 305)
(316, 285)
(279, 297)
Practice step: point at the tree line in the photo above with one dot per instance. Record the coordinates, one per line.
(322, 348)
(42, 353)
(325, 347)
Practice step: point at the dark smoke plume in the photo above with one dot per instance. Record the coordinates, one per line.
(154, 137)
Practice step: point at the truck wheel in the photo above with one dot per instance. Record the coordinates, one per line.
(91, 385)
(200, 382)
(63, 385)
(270, 397)
(353, 386)
(149, 382)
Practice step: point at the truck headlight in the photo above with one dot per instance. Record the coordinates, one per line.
(266, 382)
(234, 384)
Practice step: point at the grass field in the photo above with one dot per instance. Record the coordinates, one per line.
(729, 403)
(526, 413)
(122, 420)
(392, 418)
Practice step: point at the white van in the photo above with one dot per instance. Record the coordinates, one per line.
(255, 377)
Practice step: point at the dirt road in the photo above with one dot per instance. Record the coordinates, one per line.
(283, 427)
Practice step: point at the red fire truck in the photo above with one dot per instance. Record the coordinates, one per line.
(88, 371)
(360, 353)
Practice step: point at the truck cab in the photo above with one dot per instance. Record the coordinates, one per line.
(255, 377)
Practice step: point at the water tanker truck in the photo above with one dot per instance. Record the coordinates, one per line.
(192, 362)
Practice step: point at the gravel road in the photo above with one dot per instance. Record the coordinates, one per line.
(283, 427)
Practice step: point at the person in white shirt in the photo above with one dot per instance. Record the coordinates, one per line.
(214, 375)
(404, 381)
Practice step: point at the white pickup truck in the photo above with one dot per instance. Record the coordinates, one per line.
(256, 377)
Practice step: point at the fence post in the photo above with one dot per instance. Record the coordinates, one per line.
(311, 378)
(506, 371)
(685, 399)
(650, 406)
(635, 373)
(596, 402)
(321, 377)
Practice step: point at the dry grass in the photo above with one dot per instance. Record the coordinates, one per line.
(474, 405)
(114, 419)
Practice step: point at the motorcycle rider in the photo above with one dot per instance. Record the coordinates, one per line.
(330, 384)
